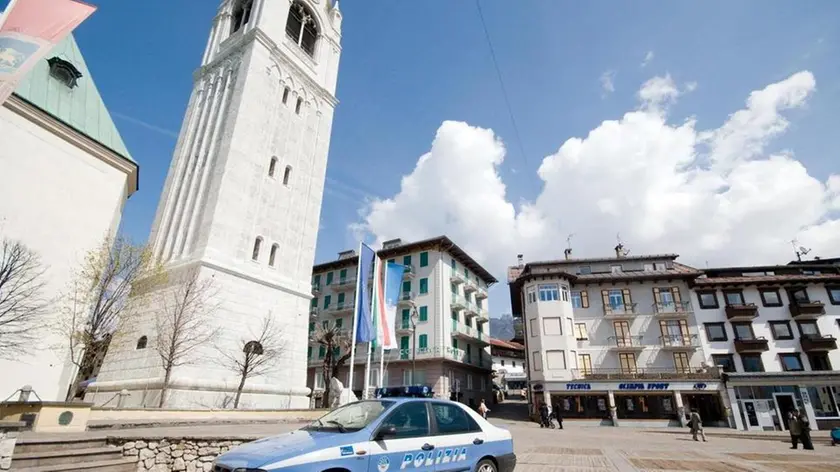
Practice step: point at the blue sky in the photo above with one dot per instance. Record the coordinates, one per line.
(408, 66)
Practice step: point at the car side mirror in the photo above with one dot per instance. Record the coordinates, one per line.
(386, 432)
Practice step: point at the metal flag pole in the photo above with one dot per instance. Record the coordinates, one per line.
(384, 303)
(355, 319)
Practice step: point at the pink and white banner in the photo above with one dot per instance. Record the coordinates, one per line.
(29, 29)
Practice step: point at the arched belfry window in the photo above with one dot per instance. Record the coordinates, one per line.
(64, 72)
(257, 243)
(272, 166)
(286, 95)
(287, 174)
(241, 15)
(298, 105)
(142, 342)
(301, 27)
(273, 254)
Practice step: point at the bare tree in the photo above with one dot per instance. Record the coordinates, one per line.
(182, 323)
(99, 301)
(21, 298)
(332, 339)
(254, 356)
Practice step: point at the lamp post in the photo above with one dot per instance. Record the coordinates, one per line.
(414, 318)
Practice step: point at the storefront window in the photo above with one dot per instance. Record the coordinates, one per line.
(645, 406)
(581, 406)
(823, 401)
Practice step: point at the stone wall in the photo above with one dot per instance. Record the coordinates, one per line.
(165, 455)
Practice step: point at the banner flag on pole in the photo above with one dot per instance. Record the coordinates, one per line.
(363, 324)
(392, 287)
(29, 30)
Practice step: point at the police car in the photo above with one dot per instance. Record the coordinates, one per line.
(400, 430)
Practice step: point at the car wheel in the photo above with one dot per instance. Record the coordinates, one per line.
(486, 466)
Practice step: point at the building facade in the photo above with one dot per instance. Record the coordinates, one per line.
(509, 367)
(448, 346)
(66, 175)
(774, 331)
(242, 201)
(615, 340)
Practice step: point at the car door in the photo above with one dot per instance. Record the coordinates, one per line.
(459, 440)
(402, 440)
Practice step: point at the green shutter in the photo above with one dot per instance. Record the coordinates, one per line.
(407, 260)
(407, 286)
(317, 280)
(321, 351)
(406, 318)
(454, 288)
(392, 261)
(311, 326)
(424, 341)
(404, 342)
(455, 343)
(339, 322)
(329, 278)
(454, 315)
(424, 285)
(342, 275)
(454, 265)
(309, 352)
(466, 273)
(424, 313)
(340, 298)
(336, 352)
(327, 300)
(424, 259)
(314, 303)
(326, 324)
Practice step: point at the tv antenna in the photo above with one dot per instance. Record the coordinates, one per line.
(619, 248)
(568, 251)
(800, 250)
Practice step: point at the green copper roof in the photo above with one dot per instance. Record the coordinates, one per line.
(80, 107)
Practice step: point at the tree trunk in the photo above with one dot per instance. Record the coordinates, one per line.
(239, 390)
(165, 387)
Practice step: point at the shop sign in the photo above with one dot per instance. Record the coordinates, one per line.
(537, 388)
(578, 386)
(700, 386)
(641, 386)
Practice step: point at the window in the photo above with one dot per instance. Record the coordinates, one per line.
(424, 259)
(537, 360)
(791, 362)
(503, 362)
(819, 361)
(556, 360)
(329, 278)
(339, 322)
(531, 294)
(469, 382)
(627, 362)
(301, 27)
(571, 324)
(726, 361)
(272, 165)
(649, 267)
(580, 299)
(799, 295)
(615, 269)
(781, 330)
(585, 363)
(752, 362)
(142, 342)
(340, 300)
(585, 270)
(564, 293)
(535, 327)
(743, 331)
(616, 300)
(834, 294)
(298, 105)
(424, 341)
(327, 300)
(707, 300)
(309, 352)
(342, 275)
(406, 286)
(452, 419)
(809, 329)
(553, 326)
(287, 174)
(454, 265)
(322, 350)
(409, 420)
(311, 326)
(733, 297)
(64, 72)
(286, 95)
(326, 324)
(424, 286)
(824, 401)
(241, 15)
(580, 332)
(424, 313)
(681, 362)
(549, 293)
(407, 260)
(273, 254)
(770, 297)
(255, 255)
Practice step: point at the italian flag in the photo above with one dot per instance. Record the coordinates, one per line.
(384, 328)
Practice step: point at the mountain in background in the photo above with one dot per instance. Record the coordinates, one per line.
(502, 327)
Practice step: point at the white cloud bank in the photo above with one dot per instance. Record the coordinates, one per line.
(709, 195)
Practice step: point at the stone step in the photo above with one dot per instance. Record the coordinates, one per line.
(116, 465)
(27, 445)
(65, 456)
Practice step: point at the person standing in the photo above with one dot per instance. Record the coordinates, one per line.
(805, 435)
(544, 415)
(558, 417)
(482, 408)
(795, 429)
(696, 424)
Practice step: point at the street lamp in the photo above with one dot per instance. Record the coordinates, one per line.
(414, 319)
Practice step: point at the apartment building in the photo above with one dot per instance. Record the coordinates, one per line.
(614, 340)
(508, 364)
(774, 331)
(442, 323)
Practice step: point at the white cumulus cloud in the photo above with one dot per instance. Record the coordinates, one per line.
(710, 195)
(607, 84)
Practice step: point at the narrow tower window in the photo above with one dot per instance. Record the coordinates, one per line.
(64, 72)
(285, 95)
(273, 254)
(287, 175)
(142, 342)
(301, 27)
(257, 243)
(297, 106)
(272, 166)
(241, 15)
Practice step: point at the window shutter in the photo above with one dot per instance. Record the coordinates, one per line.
(627, 300)
(677, 298)
(656, 296)
(584, 299)
(605, 297)
(684, 330)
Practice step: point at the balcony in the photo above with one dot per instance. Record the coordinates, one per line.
(483, 317)
(342, 307)
(313, 313)
(690, 373)
(806, 310)
(679, 342)
(404, 327)
(316, 289)
(408, 272)
(672, 309)
(742, 312)
(344, 285)
(458, 302)
(456, 277)
(626, 343)
(814, 343)
(468, 333)
(470, 311)
(481, 294)
(406, 299)
(459, 355)
(470, 288)
(620, 312)
(750, 345)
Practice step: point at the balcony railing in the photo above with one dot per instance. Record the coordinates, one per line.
(469, 287)
(751, 345)
(406, 298)
(816, 343)
(342, 307)
(741, 312)
(456, 277)
(631, 342)
(314, 312)
(672, 309)
(640, 373)
(470, 310)
(316, 289)
(408, 273)
(345, 284)
(457, 302)
(806, 310)
(426, 353)
(481, 294)
(627, 310)
(468, 333)
(679, 341)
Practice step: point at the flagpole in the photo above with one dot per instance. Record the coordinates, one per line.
(355, 319)
(382, 347)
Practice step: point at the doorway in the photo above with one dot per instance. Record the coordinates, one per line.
(785, 402)
(751, 415)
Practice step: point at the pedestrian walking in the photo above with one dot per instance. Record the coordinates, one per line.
(544, 415)
(482, 408)
(558, 417)
(696, 425)
(795, 429)
(805, 426)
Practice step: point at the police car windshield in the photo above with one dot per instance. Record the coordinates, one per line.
(351, 417)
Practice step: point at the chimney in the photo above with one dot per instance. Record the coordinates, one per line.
(619, 251)
(568, 253)
(392, 243)
(521, 260)
(347, 254)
